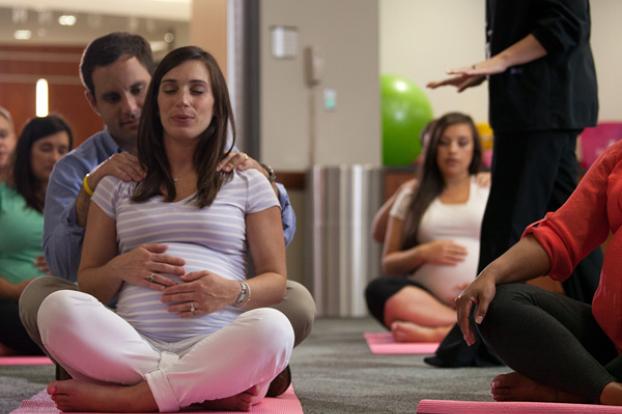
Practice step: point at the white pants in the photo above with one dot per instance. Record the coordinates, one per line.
(95, 344)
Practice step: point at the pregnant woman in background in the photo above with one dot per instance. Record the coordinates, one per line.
(432, 242)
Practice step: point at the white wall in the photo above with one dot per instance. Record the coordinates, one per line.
(421, 39)
(606, 36)
(345, 35)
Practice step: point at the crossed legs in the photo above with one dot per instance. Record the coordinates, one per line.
(414, 315)
(409, 311)
(555, 346)
(98, 348)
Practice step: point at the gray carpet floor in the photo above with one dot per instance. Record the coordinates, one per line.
(333, 371)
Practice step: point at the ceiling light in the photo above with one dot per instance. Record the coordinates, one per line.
(41, 99)
(22, 34)
(67, 20)
(169, 37)
(158, 45)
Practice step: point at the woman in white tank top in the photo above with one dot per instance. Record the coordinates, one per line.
(432, 241)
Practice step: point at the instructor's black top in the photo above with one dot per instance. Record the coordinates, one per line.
(558, 91)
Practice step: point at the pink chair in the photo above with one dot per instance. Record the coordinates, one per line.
(594, 141)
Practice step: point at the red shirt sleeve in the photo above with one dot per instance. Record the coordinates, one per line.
(582, 223)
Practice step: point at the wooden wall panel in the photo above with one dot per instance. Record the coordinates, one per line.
(21, 66)
(19, 99)
(70, 102)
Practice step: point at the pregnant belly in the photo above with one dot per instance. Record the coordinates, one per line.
(445, 281)
(143, 308)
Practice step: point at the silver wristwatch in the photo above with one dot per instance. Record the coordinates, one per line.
(244, 296)
(270, 171)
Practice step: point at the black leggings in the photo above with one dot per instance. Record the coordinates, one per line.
(551, 339)
(380, 290)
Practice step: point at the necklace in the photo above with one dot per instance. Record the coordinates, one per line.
(183, 176)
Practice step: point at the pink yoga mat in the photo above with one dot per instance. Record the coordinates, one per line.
(287, 403)
(476, 407)
(25, 360)
(383, 343)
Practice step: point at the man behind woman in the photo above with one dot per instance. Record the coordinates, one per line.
(432, 239)
(198, 312)
(116, 69)
(42, 142)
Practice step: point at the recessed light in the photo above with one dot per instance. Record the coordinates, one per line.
(41, 98)
(67, 20)
(22, 34)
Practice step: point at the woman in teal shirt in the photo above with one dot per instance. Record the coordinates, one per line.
(42, 142)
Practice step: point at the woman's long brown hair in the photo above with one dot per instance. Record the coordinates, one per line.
(210, 149)
(431, 182)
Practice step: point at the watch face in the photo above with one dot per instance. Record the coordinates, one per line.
(270, 171)
(244, 294)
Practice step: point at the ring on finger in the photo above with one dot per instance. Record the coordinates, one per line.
(192, 308)
(245, 156)
(151, 277)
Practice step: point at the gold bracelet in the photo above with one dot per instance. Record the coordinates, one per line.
(86, 186)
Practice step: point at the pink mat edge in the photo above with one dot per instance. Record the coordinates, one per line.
(25, 360)
(381, 343)
(289, 402)
(518, 407)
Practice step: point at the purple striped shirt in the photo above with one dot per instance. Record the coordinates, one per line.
(212, 238)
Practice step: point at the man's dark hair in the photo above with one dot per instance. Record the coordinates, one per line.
(107, 49)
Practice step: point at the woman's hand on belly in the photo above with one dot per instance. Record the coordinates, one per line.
(200, 293)
(444, 252)
(146, 266)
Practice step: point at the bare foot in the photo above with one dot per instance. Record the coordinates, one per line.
(6, 351)
(73, 395)
(240, 402)
(411, 332)
(517, 387)
(611, 394)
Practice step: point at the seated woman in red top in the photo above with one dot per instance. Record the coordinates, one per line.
(560, 349)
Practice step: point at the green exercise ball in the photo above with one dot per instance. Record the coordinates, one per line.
(406, 110)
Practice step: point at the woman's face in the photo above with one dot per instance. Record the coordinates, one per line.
(455, 150)
(7, 142)
(186, 101)
(45, 152)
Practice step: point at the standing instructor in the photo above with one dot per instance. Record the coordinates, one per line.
(542, 93)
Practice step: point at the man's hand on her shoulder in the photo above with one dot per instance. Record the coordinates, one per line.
(123, 165)
(240, 161)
